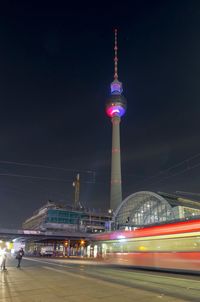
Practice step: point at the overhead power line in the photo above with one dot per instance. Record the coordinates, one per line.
(164, 174)
(39, 177)
(44, 166)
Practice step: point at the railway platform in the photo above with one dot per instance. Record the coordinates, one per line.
(44, 283)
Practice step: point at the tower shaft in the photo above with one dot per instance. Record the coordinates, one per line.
(116, 186)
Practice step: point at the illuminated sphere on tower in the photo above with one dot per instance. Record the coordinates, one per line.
(116, 103)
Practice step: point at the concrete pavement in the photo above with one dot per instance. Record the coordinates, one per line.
(51, 284)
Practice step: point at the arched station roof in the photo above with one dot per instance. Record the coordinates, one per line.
(146, 207)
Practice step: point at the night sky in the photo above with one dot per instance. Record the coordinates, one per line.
(56, 66)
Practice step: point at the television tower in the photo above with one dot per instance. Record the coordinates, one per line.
(115, 109)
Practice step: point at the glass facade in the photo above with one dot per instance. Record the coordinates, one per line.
(143, 208)
(63, 216)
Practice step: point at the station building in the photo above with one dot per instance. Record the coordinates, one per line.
(75, 226)
(137, 210)
(147, 208)
(56, 217)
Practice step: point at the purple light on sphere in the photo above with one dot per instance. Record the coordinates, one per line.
(116, 87)
(115, 110)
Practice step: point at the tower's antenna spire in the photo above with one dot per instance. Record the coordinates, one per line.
(116, 58)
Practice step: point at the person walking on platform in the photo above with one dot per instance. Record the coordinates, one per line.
(3, 260)
(19, 256)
